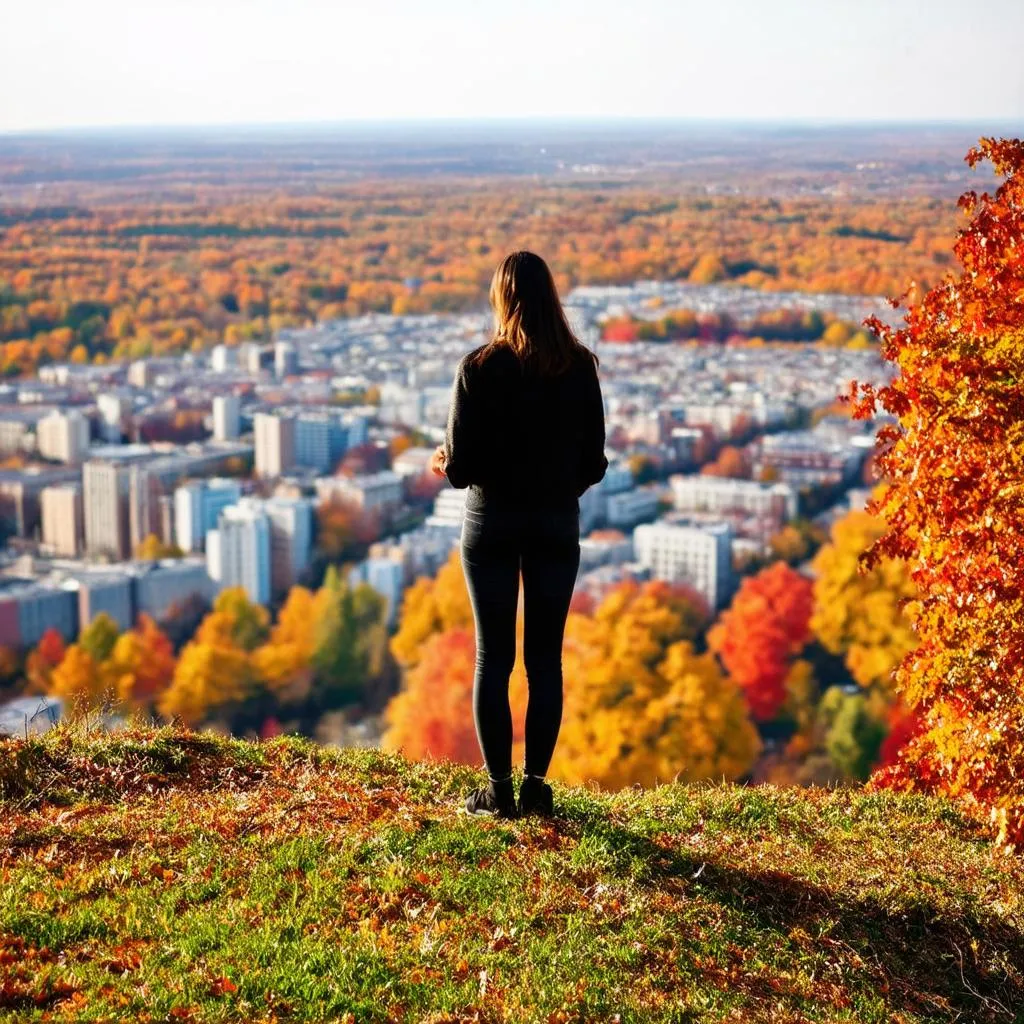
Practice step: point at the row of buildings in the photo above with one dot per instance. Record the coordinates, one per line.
(239, 505)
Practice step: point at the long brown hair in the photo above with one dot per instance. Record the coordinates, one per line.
(528, 316)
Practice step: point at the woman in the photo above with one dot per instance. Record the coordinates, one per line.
(526, 436)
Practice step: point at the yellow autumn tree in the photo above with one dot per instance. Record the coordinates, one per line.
(641, 705)
(84, 678)
(432, 715)
(217, 666)
(284, 661)
(78, 680)
(432, 605)
(207, 676)
(858, 615)
(141, 664)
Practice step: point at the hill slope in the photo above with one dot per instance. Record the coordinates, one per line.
(165, 875)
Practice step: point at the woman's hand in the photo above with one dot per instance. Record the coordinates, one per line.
(437, 460)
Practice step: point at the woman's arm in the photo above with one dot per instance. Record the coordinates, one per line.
(458, 441)
(594, 460)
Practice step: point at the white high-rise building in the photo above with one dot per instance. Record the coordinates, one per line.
(61, 513)
(238, 551)
(114, 411)
(249, 356)
(291, 540)
(226, 417)
(689, 552)
(63, 436)
(197, 506)
(222, 358)
(286, 359)
(106, 487)
(274, 443)
(142, 373)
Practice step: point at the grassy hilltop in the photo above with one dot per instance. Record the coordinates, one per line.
(163, 875)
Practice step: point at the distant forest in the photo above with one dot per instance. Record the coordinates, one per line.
(115, 245)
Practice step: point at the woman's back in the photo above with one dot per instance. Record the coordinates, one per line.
(526, 435)
(517, 436)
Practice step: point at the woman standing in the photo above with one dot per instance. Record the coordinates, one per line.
(526, 436)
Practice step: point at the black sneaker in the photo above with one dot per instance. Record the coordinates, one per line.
(497, 800)
(535, 797)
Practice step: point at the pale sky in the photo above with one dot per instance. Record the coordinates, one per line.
(81, 63)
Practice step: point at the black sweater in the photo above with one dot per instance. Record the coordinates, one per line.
(517, 437)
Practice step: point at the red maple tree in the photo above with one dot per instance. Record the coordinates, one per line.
(954, 506)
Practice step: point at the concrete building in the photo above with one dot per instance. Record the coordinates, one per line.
(286, 359)
(412, 462)
(696, 493)
(145, 515)
(291, 540)
(592, 508)
(449, 508)
(357, 429)
(114, 412)
(159, 588)
(166, 511)
(142, 373)
(106, 489)
(807, 457)
(373, 490)
(238, 551)
(20, 491)
(682, 551)
(63, 436)
(605, 547)
(110, 594)
(197, 506)
(627, 508)
(275, 444)
(62, 519)
(226, 417)
(28, 609)
(386, 576)
(320, 441)
(250, 358)
(15, 436)
(222, 358)
(722, 417)
(617, 477)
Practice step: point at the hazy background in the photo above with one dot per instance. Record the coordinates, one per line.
(126, 62)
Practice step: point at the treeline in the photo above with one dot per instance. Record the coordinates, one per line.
(790, 683)
(774, 325)
(239, 669)
(114, 276)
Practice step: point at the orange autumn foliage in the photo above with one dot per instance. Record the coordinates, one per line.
(954, 505)
(126, 273)
(759, 634)
(641, 705)
(142, 664)
(432, 716)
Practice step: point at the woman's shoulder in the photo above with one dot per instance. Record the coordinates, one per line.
(486, 358)
(469, 362)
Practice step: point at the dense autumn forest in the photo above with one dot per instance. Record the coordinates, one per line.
(134, 257)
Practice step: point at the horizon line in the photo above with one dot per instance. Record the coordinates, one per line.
(583, 120)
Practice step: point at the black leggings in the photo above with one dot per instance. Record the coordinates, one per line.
(496, 545)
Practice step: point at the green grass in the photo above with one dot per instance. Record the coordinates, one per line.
(162, 875)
